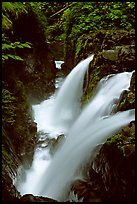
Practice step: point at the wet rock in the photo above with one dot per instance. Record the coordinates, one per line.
(57, 49)
(27, 150)
(9, 192)
(54, 144)
(64, 67)
(32, 198)
(118, 37)
(118, 177)
(110, 55)
(32, 127)
(132, 83)
(88, 191)
(127, 100)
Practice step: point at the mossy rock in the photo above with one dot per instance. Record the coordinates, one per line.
(116, 167)
(124, 140)
(111, 58)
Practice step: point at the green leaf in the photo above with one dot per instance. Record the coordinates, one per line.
(4, 57)
(7, 46)
(27, 45)
(18, 58)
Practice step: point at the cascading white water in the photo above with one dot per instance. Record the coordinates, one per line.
(46, 117)
(95, 123)
(67, 104)
(89, 128)
(56, 115)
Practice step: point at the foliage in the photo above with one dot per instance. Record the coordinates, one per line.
(100, 15)
(63, 20)
(54, 28)
(85, 17)
(8, 107)
(49, 17)
(11, 8)
(8, 48)
(6, 22)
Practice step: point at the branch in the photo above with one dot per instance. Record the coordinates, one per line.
(62, 10)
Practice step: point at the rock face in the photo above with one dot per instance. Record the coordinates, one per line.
(127, 100)
(9, 192)
(39, 72)
(118, 178)
(111, 176)
(113, 53)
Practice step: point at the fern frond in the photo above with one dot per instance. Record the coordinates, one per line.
(6, 22)
(14, 7)
(11, 8)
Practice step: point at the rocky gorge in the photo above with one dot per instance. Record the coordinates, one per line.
(110, 177)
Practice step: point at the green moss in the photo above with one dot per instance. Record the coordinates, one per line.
(83, 47)
(124, 140)
(78, 48)
(94, 79)
(127, 101)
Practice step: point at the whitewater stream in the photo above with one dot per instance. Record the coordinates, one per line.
(28, 178)
(61, 114)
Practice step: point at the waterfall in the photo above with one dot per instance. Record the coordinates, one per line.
(57, 114)
(54, 116)
(84, 130)
(96, 122)
(67, 102)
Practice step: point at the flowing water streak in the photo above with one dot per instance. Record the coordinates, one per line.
(105, 99)
(56, 115)
(67, 102)
(95, 123)
(67, 99)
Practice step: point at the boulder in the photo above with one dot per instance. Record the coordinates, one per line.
(118, 177)
(32, 198)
